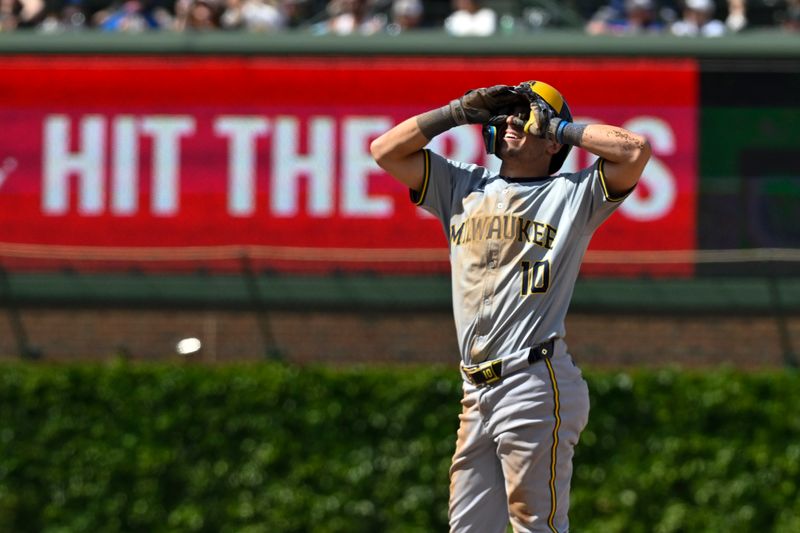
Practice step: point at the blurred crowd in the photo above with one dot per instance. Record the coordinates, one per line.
(703, 18)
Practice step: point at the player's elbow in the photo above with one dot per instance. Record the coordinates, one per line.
(642, 156)
(643, 151)
(623, 172)
(630, 151)
(637, 157)
(380, 150)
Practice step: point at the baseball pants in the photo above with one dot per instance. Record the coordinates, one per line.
(513, 458)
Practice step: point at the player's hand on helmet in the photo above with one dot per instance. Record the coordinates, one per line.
(539, 118)
(479, 106)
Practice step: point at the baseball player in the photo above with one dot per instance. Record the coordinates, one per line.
(516, 240)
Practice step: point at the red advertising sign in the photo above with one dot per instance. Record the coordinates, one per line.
(130, 158)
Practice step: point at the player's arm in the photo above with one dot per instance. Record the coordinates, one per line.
(625, 153)
(399, 150)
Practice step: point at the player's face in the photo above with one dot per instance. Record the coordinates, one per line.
(518, 145)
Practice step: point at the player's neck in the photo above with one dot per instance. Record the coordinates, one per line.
(524, 169)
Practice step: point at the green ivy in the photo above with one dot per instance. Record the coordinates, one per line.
(276, 448)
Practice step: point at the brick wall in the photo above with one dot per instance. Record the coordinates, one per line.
(344, 337)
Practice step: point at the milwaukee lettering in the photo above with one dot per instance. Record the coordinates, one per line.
(505, 227)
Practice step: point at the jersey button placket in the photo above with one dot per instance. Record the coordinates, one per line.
(488, 284)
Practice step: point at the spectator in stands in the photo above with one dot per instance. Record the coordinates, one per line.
(470, 18)
(295, 12)
(132, 16)
(351, 16)
(406, 15)
(31, 14)
(122, 17)
(9, 13)
(698, 20)
(630, 18)
(198, 15)
(790, 19)
(467, 17)
(737, 15)
(58, 17)
(253, 15)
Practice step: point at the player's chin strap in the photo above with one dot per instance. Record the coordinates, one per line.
(491, 131)
(489, 138)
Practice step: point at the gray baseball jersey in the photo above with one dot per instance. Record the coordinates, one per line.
(516, 247)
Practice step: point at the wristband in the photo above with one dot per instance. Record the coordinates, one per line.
(564, 132)
(436, 121)
(560, 131)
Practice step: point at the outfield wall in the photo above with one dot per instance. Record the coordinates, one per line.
(152, 153)
(193, 152)
(214, 172)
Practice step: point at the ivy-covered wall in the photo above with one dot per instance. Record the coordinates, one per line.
(275, 448)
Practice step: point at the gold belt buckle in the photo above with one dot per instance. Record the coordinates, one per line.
(487, 372)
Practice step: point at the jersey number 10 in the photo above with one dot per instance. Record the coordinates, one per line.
(535, 277)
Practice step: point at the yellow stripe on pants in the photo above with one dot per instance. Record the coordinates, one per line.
(553, 456)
